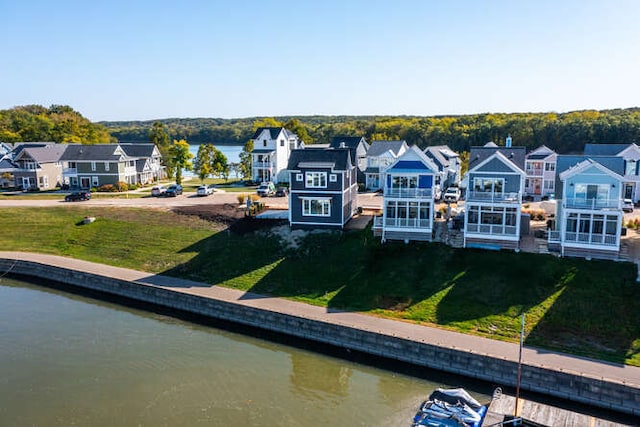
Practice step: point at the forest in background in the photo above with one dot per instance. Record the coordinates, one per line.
(563, 132)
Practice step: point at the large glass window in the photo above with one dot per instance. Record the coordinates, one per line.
(316, 207)
(592, 191)
(316, 179)
(404, 182)
(488, 185)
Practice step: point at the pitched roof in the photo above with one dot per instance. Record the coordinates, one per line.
(138, 150)
(380, 147)
(49, 153)
(338, 157)
(273, 132)
(349, 141)
(5, 163)
(92, 153)
(442, 154)
(613, 163)
(480, 154)
(605, 149)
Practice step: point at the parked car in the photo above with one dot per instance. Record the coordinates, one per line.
(452, 194)
(158, 190)
(282, 192)
(627, 205)
(78, 196)
(266, 189)
(204, 190)
(173, 190)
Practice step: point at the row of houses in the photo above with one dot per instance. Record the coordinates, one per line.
(47, 165)
(589, 190)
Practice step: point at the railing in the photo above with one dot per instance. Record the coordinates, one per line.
(492, 229)
(262, 165)
(582, 203)
(587, 238)
(377, 222)
(535, 172)
(407, 223)
(554, 236)
(408, 193)
(486, 196)
(69, 171)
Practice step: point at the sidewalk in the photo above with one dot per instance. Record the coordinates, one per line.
(502, 350)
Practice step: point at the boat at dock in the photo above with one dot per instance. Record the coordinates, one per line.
(450, 408)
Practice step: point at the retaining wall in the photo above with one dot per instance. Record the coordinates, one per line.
(593, 391)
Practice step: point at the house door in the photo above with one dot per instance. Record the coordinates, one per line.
(85, 182)
(628, 191)
(26, 182)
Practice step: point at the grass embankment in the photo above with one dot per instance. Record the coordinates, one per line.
(582, 307)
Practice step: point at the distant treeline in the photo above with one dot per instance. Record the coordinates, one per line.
(58, 123)
(565, 132)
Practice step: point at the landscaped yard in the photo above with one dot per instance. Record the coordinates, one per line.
(585, 307)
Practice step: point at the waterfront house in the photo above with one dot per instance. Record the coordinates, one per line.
(92, 166)
(7, 171)
(38, 165)
(271, 149)
(358, 147)
(408, 206)
(494, 197)
(323, 188)
(380, 155)
(630, 153)
(149, 166)
(540, 167)
(589, 208)
(448, 163)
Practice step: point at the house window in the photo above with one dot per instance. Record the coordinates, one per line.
(407, 214)
(94, 181)
(93, 166)
(548, 185)
(316, 180)
(282, 143)
(264, 142)
(592, 191)
(72, 165)
(299, 177)
(630, 167)
(333, 178)
(550, 167)
(106, 166)
(44, 181)
(316, 207)
(488, 185)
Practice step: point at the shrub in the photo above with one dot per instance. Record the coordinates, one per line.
(122, 186)
(107, 188)
(240, 198)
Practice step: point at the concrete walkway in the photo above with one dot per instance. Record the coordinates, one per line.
(508, 351)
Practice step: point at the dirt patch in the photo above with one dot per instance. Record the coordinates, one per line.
(228, 215)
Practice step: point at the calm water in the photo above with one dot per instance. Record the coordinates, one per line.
(231, 151)
(71, 360)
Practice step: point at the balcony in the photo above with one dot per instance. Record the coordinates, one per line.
(408, 193)
(591, 239)
(262, 165)
(411, 223)
(70, 171)
(487, 196)
(592, 204)
(534, 172)
(492, 229)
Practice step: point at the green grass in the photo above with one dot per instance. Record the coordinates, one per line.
(583, 307)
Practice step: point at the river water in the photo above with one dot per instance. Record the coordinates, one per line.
(67, 359)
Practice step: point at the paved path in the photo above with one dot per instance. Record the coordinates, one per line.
(499, 349)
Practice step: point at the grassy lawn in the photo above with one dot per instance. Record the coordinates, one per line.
(583, 307)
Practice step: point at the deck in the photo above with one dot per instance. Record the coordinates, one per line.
(539, 413)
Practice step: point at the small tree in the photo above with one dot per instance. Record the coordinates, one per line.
(245, 159)
(219, 164)
(202, 163)
(181, 158)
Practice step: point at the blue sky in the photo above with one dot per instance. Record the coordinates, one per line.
(141, 60)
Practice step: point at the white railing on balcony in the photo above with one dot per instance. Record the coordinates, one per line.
(487, 196)
(582, 203)
(69, 171)
(492, 229)
(377, 222)
(554, 236)
(592, 239)
(535, 172)
(408, 193)
(407, 223)
(262, 165)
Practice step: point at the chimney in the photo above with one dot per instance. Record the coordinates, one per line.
(508, 141)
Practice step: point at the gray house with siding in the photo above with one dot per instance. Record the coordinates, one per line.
(88, 166)
(494, 197)
(358, 148)
(323, 188)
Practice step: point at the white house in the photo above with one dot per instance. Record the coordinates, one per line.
(271, 150)
(381, 155)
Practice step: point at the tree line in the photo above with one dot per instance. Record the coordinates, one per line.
(562, 132)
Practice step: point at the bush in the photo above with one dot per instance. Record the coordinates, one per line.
(122, 186)
(240, 198)
(107, 188)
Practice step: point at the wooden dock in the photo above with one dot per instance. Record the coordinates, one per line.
(538, 414)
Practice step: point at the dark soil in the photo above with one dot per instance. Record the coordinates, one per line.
(229, 216)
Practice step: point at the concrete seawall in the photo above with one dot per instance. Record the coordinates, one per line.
(599, 384)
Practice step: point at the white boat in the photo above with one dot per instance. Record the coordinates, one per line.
(452, 407)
